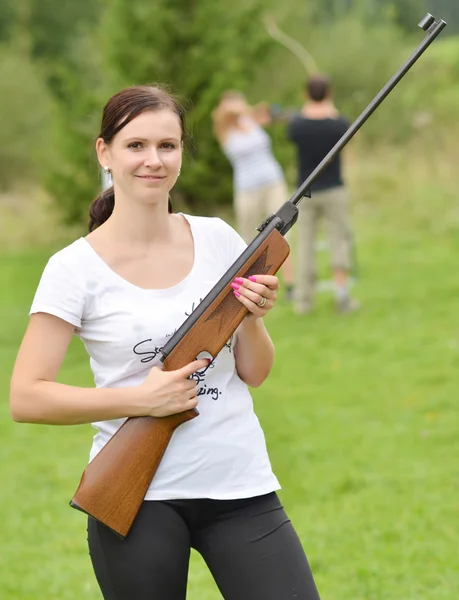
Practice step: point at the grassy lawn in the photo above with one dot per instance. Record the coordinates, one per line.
(359, 414)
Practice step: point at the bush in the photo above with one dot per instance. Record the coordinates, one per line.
(25, 106)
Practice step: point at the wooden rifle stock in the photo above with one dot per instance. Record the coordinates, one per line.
(114, 483)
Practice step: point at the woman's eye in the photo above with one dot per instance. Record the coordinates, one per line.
(168, 145)
(135, 145)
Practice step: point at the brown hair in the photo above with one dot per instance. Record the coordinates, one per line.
(122, 108)
(222, 117)
(318, 87)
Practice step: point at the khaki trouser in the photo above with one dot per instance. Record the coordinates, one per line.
(253, 206)
(332, 204)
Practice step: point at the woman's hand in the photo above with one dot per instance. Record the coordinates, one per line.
(258, 293)
(169, 392)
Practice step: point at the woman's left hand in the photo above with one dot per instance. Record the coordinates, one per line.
(258, 293)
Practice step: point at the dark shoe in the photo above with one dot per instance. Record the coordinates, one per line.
(289, 293)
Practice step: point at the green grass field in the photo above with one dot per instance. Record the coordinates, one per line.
(359, 412)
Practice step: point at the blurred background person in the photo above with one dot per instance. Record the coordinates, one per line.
(258, 180)
(314, 131)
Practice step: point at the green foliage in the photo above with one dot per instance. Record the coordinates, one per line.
(54, 26)
(448, 10)
(199, 50)
(51, 39)
(432, 97)
(25, 106)
(7, 19)
(406, 13)
(74, 179)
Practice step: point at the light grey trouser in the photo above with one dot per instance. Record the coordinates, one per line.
(253, 206)
(333, 206)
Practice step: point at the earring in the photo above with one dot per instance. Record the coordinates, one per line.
(179, 171)
(107, 170)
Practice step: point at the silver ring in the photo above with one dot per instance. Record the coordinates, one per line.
(262, 302)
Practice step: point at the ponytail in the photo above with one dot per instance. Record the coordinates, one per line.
(102, 208)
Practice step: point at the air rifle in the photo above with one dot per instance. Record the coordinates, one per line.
(114, 483)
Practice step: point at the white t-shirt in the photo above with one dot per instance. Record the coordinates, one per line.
(221, 454)
(251, 157)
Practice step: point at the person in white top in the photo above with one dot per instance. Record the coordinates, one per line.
(123, 290)
(259, 184)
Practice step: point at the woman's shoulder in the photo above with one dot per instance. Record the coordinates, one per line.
(211, 224)
(222, 239)
(72, 255)
(215, 229)
(208, 223)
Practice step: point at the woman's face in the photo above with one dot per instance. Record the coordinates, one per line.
(145, 156)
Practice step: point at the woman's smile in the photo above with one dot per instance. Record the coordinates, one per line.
(151, 178)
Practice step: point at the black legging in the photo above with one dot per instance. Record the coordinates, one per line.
(249, 546)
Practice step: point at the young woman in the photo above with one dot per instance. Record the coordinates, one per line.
(258, 180)
(124, 289)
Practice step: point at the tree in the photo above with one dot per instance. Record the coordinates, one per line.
(57, 28)
(62, 43)
(72, 176)
(199, 49)
(48, 65)
(24, 128)
(8, 18)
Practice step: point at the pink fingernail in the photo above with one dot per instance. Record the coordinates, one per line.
(237, 294)
(235, 286)
(239, 280)
(252, 278)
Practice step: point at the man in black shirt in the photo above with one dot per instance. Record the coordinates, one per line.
(315, 131)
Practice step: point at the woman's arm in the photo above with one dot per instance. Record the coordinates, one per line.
(35, 397)
(220, 124)
(254, 350)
